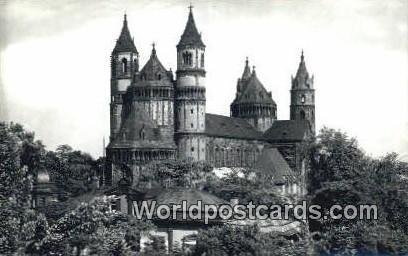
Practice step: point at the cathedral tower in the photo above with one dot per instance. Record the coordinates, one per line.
(124, 64)
(190, 93)
(253, 102)
(302, 106)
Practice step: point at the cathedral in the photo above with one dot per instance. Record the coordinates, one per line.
(156, 115)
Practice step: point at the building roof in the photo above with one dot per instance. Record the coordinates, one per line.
(231, 127)
(253, 91)
(287, 130)
(190, 36)
(125, 42)
(272, 162)
(154, 73)
(179, 194)
(247, 71)
(139, 131)
(302, 79)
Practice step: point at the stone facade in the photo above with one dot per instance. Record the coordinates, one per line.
(155, 116)
(302, 106)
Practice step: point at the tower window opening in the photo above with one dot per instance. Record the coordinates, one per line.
(192, 149)
(124, 66)
(202, 60)
(187, 58)
(192, 126)
(192, 111)
(302, 115)
(303, 98)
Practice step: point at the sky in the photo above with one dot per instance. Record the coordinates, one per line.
(55, 57)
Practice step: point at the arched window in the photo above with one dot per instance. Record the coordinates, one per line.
(187, 58)
(124, 66)
(303, 98)
(202, 60)
(142, 133)
(302, 115)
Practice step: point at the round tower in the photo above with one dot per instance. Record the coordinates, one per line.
(124, 65)
(253, 102)
(190, 93)
(302, 106)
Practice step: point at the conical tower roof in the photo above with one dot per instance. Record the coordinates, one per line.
(254, 92)
(125, 42)
(302, 79)
(190, 36)
(302, 70)
(247, 71)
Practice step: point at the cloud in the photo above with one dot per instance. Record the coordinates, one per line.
(55, 60)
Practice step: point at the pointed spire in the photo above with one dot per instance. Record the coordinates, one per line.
(154, 49)
(302, 71)
(253, 71)
(190, 36)
(154, 69)
(247, 70)
(302, 79)
(125, 43)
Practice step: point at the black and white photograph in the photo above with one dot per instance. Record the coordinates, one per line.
(204, 128)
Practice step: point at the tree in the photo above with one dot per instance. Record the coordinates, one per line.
(343, 175)
(93, 227)
(176, 173)
(247, 240)
(72, 170)
(20, 227)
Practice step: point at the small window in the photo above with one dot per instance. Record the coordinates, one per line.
(192, 149)
(192, 111)
(202, 60)
(124, 66)
(303, 98)
(159, 77)
(192, 126)
(187, 58)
